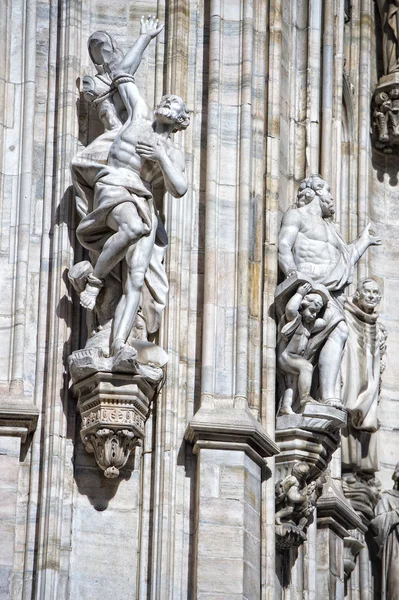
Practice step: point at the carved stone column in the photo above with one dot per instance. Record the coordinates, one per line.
(231, 447)
(17, 421)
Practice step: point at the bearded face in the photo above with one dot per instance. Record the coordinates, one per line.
(172, 109)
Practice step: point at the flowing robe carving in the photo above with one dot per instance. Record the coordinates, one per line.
(389, 12)
(386, 528)
(361, 374)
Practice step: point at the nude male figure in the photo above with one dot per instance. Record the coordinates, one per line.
(124, 221)
(310, 244)
(300, 324)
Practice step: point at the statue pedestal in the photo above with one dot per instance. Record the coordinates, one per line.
(311, 437)
(114, 407)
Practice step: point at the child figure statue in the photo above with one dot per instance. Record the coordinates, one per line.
(297, 327)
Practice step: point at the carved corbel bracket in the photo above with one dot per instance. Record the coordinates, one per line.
(296, 499)
(352, 546)
(385, 114)
(306, 442)
(113, 407)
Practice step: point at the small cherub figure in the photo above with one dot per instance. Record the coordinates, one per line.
(298, 325)
(293, 495)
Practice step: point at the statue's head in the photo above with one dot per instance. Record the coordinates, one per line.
(367, 295)
(315, 187)
(172, 109)
(104, 51)
(300, 470)
(311, 305)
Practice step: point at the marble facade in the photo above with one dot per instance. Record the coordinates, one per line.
(219, 485)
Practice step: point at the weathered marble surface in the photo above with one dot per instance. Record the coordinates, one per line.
(279, 90)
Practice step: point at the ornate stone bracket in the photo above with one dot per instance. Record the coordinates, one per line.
(307, 442)
(385, 115)
(113, 407)
(352, 546)
(295, 504)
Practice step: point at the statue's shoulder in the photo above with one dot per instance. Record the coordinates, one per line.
(292, 216)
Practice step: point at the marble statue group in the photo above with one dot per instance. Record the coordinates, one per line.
(318, 265)
(115, 179)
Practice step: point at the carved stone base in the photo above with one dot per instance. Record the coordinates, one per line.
(144, 359)
(114, 407)
(289, 536)
(315, 417)
(385, 114)
(311, 437)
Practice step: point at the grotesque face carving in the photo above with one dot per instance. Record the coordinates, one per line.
(368, 295)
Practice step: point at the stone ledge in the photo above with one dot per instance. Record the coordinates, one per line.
(18, 419)
(334, 511)
(232, 428)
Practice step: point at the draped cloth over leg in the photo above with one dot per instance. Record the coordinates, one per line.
(101, 188)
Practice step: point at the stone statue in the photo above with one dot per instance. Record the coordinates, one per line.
(298, 325)
(361, 378)
(295, 503)
(117, 179)
(310, 248)
(385, 104)
(114, 179)
(386, 530)
(389, 12)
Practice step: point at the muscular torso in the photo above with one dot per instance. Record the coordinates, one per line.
(317, 248)
(123, 150)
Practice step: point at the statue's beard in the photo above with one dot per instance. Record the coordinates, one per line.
(168, 113)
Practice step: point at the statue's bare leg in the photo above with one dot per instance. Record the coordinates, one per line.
(137, 260)
(282, 514)
(128, 225)
(330, 362)
(304, 370)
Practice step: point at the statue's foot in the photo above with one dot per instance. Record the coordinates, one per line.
(117, 345)
(285, 410)
(89, 296)
(334, 402)
(307, 400)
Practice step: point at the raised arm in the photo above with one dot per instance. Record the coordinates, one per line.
(293, 305)
(366, 239)
(129, 64)
(288, 233)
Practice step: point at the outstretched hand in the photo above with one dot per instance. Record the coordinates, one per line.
(369, 234)
(150, 26)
